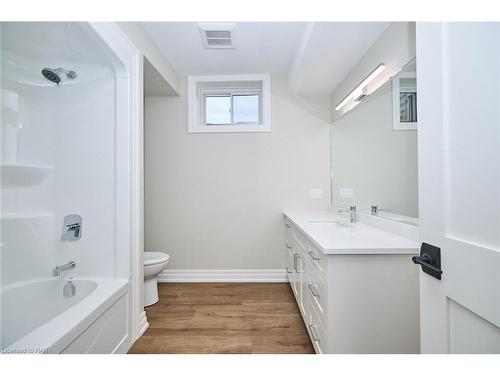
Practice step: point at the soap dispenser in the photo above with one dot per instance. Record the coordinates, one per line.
(70, 288)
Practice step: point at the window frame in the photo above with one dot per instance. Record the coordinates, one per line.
(228, 86)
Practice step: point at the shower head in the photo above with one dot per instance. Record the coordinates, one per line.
(54, 75)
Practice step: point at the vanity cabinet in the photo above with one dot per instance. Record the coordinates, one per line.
(354, 302)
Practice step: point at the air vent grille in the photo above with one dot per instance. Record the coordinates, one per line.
(226, 34)
(217, 35)
(215, 43)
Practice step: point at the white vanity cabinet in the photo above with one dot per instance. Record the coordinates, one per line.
(354, 301)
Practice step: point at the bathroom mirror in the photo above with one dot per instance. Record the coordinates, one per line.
(374, 151)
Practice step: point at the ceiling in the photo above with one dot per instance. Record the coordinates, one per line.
(329, 51)
(315, 57)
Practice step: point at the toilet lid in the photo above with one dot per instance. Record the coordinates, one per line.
(153, 257)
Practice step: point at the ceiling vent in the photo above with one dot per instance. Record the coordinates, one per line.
(217, 35)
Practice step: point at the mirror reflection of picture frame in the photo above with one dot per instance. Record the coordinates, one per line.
(404, 101)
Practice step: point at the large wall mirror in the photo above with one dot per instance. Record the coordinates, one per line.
(374, 151)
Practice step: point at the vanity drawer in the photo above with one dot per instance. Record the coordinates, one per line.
(318, 260)
(301, 243)
(317, 332)
(317, 292)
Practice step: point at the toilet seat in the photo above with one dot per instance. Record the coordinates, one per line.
(152, 257)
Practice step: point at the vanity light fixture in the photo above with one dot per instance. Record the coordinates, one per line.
(360, 90)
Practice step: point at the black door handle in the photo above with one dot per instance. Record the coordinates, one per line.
(426, 260)
(430, 260)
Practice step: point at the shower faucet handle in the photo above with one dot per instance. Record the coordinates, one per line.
(72, 228)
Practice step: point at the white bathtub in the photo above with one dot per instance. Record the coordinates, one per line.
(37, 318)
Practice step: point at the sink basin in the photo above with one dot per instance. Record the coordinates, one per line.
(332, 224)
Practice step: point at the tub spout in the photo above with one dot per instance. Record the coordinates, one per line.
(58, 269)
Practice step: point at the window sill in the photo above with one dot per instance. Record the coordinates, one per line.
(231, 129)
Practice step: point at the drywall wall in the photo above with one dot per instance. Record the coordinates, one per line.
(215, 201)
(394, 48)
(378, 163)
(160, 77)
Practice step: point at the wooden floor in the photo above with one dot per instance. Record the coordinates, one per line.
(224, 318)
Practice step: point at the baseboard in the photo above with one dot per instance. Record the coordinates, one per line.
(215, 276)
(143, 323)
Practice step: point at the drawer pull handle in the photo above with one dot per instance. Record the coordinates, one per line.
(311, 254)
(296, 257)
(288, 246)
(287, 269)
(288, 226)
(313, 292)
(312, 328)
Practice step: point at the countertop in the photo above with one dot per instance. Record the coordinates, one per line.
(333, 234)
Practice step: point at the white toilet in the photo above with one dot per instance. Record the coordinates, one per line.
(154, 263)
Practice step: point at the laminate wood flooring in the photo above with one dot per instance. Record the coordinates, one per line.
(224, 318)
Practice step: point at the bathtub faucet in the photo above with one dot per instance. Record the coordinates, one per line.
(57, 271)
(72, 228)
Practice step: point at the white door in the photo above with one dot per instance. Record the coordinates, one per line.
(458, 79)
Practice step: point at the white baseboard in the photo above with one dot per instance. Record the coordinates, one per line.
(143, 323)
(216, 276)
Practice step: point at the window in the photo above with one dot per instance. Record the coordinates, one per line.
(235, 107)
(229, 104)
(404, 101)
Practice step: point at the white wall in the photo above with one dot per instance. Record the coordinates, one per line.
(215, 201)
(160, 77)
(379, 164)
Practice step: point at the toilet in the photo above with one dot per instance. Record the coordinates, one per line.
(154, 263)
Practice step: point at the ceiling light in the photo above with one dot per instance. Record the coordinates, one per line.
(360, 90)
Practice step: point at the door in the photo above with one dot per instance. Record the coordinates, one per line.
(458, 79)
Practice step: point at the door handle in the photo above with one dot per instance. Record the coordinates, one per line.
(426, 261)
(430, 260)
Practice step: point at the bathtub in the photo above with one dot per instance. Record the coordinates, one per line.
(37, 318)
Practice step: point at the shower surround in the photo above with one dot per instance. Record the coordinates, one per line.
(70, 146)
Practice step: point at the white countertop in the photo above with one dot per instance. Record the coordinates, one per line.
(334, 234)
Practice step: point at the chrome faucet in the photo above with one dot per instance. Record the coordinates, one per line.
(376, 210)
(72, 228)
(58, 269)
(352, 211)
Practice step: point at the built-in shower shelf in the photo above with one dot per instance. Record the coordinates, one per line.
(26, 215)
(24, 174)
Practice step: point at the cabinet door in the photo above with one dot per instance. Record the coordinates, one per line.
(301, 275)
(298, 280)
(300, 252)
(289, 255)
(289, 264)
